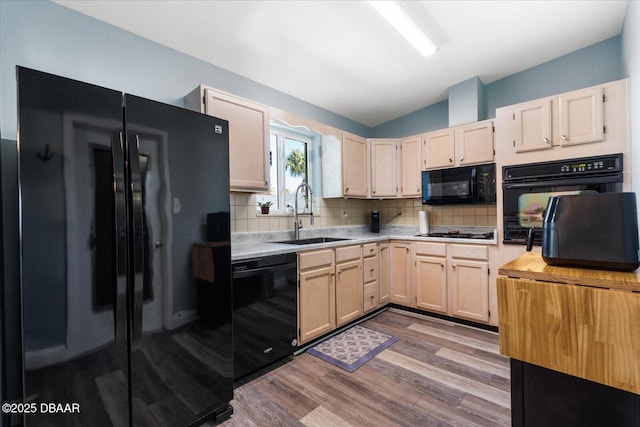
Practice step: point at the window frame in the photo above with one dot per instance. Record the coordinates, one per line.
(282, 133)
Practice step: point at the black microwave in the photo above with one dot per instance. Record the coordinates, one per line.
(463, 185)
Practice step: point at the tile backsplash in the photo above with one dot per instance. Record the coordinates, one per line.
(245, 214)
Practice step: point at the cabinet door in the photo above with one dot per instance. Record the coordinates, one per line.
(248, 139)
(384, 274)
(317, 303)
(581, 116)
(370, 297)
(469, 287)
(532, 121)
(383, 167)
(348, 291)
(410, 167)
(354, 170)
(438, 149)
(402, 285)
(474, 143)
(431, 283)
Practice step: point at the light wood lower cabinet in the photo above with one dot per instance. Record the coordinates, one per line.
(329, 290)
(431, 284)
(384, 274)
(348, 284)
(469, 285)
(370, 277)
(316, 294)
(402, 281)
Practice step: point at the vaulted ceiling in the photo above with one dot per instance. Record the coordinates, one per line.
(342, 56)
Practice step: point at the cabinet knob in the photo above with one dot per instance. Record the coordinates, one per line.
(442, 266)
(450, 160)
(407, 249)
(453, 267)
(374, 191)
(546, 140)
(346, 190)
(371, 250)
(461, 159)
(372, 297)
(564, 137)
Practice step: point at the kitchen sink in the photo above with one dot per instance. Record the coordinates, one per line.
(312, 240)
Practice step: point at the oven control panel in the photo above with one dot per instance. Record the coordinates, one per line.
(583, 166)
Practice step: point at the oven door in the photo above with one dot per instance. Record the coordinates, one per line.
(448, 186)
(524, 203)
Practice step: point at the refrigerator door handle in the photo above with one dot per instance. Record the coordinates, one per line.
(120, 230)
(137, 244)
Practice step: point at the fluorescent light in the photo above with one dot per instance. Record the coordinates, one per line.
(398, 18)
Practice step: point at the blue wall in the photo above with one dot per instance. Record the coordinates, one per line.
(51, 38)
(592, 65)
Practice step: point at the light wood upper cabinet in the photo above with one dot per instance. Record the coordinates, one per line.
(411, 166)
(474, 143)
(438, 149)
(533, 126)
(581, 118)
(354, 165)
(384, 167)
(459, 146)
(248, 135)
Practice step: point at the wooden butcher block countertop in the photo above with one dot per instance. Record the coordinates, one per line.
(580, 322)
(532, 266)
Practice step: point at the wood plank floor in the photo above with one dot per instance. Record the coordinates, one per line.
(438, 373)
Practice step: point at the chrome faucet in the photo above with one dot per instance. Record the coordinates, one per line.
(297, 223)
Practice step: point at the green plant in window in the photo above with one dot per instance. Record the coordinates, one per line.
(296, 163)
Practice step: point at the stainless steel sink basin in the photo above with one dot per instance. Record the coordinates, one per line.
(312, 240)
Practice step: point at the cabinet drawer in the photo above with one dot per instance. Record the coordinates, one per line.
(348, 253)
(369, 249)
(370, 296)
(470, 252)
(370, 269)
(313, 259)
(430, 248)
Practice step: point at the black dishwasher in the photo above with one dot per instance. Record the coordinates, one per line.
(264, 311)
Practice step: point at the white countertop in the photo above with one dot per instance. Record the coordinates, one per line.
(253, 245)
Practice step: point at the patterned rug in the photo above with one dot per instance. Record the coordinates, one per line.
(352, 348)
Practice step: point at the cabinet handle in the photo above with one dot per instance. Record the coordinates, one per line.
(564, 137)
(546, 140)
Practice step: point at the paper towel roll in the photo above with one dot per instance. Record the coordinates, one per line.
(423, 221)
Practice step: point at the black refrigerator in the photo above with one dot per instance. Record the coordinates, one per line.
(114, 193)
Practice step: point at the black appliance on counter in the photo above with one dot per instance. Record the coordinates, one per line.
(375, 221)
(265, 312)
(114, 191)
(527, 188)
(462, 185)
(591, 230)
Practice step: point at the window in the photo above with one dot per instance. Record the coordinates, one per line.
(289, 161)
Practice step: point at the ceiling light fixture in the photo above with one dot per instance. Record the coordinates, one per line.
(398, 18)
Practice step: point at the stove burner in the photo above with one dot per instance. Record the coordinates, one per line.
(458, 235)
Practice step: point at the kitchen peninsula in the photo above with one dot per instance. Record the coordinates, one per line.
(572, 336)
